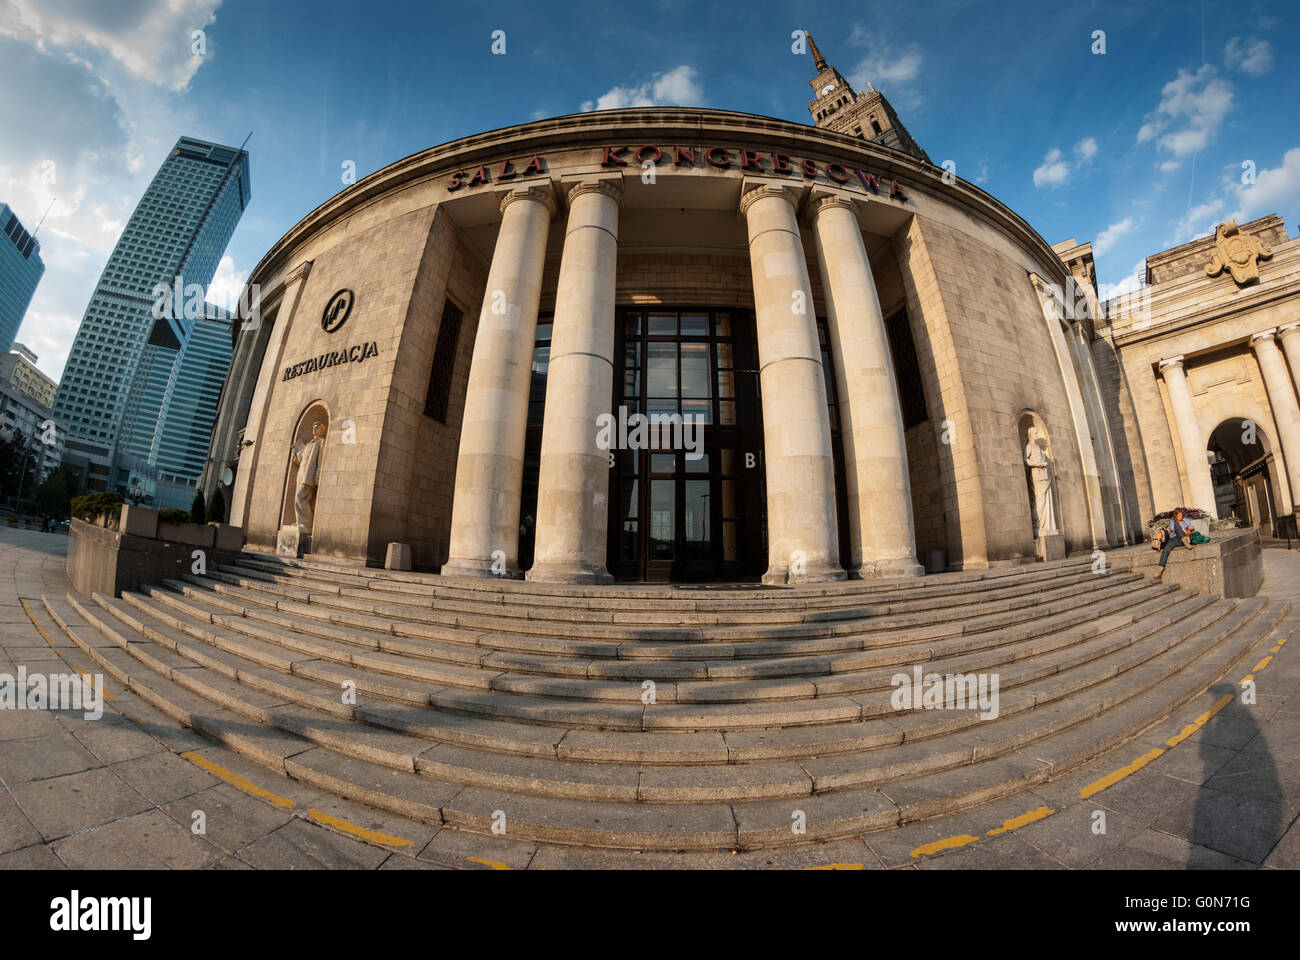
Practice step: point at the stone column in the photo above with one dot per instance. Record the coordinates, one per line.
(1199, 486)
(573, 478)
(801, 521)
(490, 463)
(1282, 398)
(879, 494)
(1290, 337)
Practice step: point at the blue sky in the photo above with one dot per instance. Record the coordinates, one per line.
(1136, 149)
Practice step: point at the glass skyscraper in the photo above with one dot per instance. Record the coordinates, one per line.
(20, 270)
(125, 364)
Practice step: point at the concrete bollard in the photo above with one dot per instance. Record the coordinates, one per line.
(399, 557)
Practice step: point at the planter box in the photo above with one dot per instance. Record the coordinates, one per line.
(138, 521)
(229, 538)
(197, 534)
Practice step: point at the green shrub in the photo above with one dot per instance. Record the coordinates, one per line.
(217, 507)
(174, 515)
(94, 505)
(196, 508)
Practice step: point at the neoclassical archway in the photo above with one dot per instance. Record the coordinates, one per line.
(1247, 479)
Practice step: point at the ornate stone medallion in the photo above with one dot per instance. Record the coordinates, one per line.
(1239, 253)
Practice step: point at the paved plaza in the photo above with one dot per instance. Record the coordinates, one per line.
(1215, 786)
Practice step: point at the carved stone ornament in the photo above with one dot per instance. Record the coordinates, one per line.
(1238, 253)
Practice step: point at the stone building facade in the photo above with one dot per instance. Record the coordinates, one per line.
(866, 339)
(1201, 367)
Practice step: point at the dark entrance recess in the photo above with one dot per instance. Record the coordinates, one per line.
(673, 517)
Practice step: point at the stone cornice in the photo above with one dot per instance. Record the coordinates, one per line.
(659, 124)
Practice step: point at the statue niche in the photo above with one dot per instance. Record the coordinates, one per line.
(1040, 476)
(302, 478)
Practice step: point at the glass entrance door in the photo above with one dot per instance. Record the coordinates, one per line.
(686, 477)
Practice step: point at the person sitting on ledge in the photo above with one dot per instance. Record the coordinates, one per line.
(1179, 532)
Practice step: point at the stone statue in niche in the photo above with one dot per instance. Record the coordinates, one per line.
(308, 457)
(1040, 482)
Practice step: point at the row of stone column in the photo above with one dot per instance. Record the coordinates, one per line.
(573, 477)
(1281, 397)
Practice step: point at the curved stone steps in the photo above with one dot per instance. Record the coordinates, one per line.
(577, 658)
(364, 611)
(687, 824)
(769, 779)
(850, 677)
(870, 599)
(670, 596)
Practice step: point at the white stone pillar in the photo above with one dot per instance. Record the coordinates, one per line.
(573, 479)
(802, 532)
(490, 463)
(1282, 398)
(1200, 488)
(879, 493)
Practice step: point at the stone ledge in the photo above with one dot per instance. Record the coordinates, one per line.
(109, 561)
(1230, 565)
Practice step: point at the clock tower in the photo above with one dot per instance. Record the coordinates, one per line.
(836, 106)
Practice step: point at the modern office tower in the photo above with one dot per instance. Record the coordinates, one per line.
(18, 371)
(114, 392)
(179, 445)
(20, 270)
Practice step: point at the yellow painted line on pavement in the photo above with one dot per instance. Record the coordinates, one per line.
(494, 864)
(32, 617)
(947, 843)
(1115, 776)
(347, 826)
(235, 780)
(1262, 664)
(1015, 823)
(838, 866)
(1199, 722)
(50, 640)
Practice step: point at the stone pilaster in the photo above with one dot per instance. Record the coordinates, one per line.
(801, 519)
(490, 462)
(240, 502)
(878, 494)
(1200, 488)
(573, 477)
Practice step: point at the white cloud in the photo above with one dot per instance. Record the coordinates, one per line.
(678, 87)
(1053, 172)
(227, 285)
(1198, 221)
(1192, 108)
(1253, 56)
(1276, 190)
(890, 68)
(150, 38)
(1134, 280)
(1086, 149)
(1107, 239)
(97, 112)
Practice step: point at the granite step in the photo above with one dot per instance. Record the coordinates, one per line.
(612, 624)
(837, 677)
(786, 608)
(688, 824)
(545, 776)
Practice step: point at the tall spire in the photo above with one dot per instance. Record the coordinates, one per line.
(818, 61)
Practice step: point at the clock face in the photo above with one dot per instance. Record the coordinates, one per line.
(827, 89)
